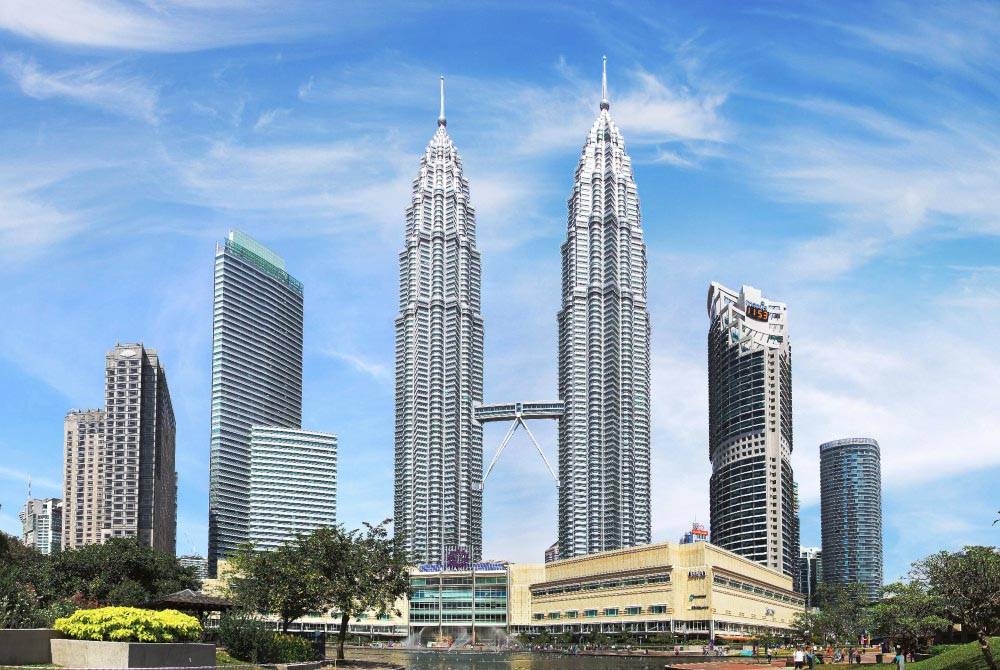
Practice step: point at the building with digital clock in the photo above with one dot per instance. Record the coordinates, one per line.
(752, 489)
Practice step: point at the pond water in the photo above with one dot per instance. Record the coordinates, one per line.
(505, 660)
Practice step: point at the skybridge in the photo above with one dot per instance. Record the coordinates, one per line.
(518, 413)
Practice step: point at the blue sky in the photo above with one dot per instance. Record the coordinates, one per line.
(844, 157)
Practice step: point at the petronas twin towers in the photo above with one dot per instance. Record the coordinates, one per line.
(604, 380)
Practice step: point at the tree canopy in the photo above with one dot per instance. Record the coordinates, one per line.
(843, 615)
(279, 582)
(968, 584)
(909, 613)
(351, 572)
(36, 588)
(365, 571)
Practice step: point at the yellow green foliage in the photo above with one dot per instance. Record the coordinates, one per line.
(129, 624)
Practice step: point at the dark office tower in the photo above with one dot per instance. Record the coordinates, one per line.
(810, 573)
(604, 376)
(139, 482)
(439, 364)
(851, 512)
(752, 491)
(256, 376)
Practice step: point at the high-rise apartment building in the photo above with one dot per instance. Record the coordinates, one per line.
(752, 491)
(139, 483)
(810, 573)
(850, 474)
(604, 377)
(256, 376)
(118, 473)
(41, 524)
(83, 477)
(293, 484)
(439, 363)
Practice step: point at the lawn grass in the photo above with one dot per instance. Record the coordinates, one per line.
(955, 657)
(223, 659)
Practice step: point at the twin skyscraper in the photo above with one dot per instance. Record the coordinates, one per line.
(604, 379)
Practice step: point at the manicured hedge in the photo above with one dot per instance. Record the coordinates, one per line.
(129, 624)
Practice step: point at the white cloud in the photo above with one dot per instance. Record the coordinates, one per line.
(922, 387)
(47, 485)
(270, 116)
(374, 369)
(181, 25)
(92, 86)
(32, 220)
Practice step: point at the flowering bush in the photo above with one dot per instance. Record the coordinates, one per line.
(129, 624)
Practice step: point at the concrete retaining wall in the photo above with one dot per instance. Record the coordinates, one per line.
(89, 654)
(26, 646)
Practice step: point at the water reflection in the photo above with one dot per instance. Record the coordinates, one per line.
(505, 660)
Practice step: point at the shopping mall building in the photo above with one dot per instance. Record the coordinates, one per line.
(694, 591)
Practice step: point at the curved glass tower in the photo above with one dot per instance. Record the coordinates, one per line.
(851, 512)
(439, 364)
(604, 354)
(752, 492)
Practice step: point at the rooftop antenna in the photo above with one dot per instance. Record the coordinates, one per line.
(29, 487)
(441, 120)
(604, 84)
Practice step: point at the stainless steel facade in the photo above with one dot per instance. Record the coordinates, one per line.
(439, 363)
(256, 376)
(752, 491)
(850, 473)
(604, 372)
(293, 484)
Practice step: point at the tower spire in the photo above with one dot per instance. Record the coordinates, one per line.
(441, 120)
(604, 84)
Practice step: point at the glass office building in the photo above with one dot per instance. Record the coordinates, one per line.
(293, 484)
(256, 376)
(851, 512)
(447, 605)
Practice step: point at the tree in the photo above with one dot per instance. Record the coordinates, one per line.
(968, 584)
(807, 626)
(909, 613)
(842, 616)
(121, 571)
(280, 582)
(364, 572)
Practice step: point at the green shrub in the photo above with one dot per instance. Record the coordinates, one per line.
(129, 624)
(291, 649)
(245, 638)
(249, 639)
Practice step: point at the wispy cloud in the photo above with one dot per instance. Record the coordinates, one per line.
(161, 26)
(93, 86)
(913, 149)
(47, 485)
(378, 371)
(270, 116)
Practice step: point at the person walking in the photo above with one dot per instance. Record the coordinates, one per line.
(799, 657)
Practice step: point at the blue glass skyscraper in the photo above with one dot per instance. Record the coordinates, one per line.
(851, 511)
